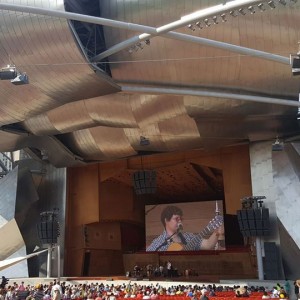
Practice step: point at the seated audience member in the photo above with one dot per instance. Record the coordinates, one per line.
(154, 295)
(283, 294)
(146, 296)
(275, 292)
(238, 294)
(265, 295)
(203, 297)
(212, 293)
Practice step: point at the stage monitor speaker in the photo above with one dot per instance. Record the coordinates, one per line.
(144, 182)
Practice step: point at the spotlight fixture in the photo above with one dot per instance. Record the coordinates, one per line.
(21, 78)
(215, 20)
(271, 4)
(199, 25)
(139, 44)
(261, 7)
(223, 17)
(277, 145)
(191, 26)
(295, 61)
(233, 13)
(242, 12)
(144, 141)
(9, 72)
(207, 24)
(251, 9)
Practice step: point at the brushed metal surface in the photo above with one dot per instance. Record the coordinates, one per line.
(79, 116)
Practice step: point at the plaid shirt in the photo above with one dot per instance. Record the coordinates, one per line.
(161, 243)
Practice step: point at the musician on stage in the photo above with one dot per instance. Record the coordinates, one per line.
(173, 238)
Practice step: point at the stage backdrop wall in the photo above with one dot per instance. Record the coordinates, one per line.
(94, 198)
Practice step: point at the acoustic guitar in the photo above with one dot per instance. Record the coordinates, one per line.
(214, 224)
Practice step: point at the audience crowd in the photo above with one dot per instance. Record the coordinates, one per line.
(101, 291)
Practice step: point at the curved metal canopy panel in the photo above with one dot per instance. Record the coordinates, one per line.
(104, 76)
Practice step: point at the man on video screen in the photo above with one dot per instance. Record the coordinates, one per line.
(173, 238)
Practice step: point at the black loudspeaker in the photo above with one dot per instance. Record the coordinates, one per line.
(144, 182)
(271, 261)
(254, 222)
(48, 228)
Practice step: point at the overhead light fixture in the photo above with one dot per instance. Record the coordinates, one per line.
(261, 6)
(242, 12)
(199, 25)
(271, 4)
(21, 78)
(295, 62)
(283, 2)
(191, 26)
(223, 17)
(207, 24)
(251, 9)
(215, 19)
(144, 141)
(277, 145)
(233, 13)
(9, 72)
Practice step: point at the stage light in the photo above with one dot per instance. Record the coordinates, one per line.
(251, 9)
(261, 7)
(191, 26)
(199, 25)
(277, 145)
(215, 20)
(21, 78)
(140, 45)
(283, 2)
(11, 73)
(8, 73)
(207, 24)
(242, 12)
(223, 16)
(295, 61)
(271, 4)
(144, 141)
(233, 13)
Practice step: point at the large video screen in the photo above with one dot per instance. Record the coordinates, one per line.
(191, 226)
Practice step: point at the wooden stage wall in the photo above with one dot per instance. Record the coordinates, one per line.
(104, 219)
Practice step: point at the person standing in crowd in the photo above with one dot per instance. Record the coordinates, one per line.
(296, 289)
(169, 269)
(56, 293)
(39, 292)
(287, 288)
(56, 286)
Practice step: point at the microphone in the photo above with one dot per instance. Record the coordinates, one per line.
(179, 227)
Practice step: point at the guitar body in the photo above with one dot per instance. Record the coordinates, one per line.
(175, 247)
